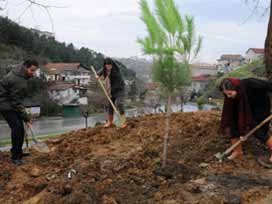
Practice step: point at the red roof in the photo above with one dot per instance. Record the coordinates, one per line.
(56, 68)
(256, 50)
(151, 86)
(201, 78)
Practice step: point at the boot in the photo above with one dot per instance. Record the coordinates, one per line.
(269, 145)
(124, 125)
(110, 121)
(237, 152)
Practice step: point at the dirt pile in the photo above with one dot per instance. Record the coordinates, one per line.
(111, 166)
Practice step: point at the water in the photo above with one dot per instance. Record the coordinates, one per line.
(56, 125)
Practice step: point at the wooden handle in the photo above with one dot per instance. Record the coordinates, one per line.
(106, 93)
(248, 135)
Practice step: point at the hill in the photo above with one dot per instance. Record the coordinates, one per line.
(110, 166)
(18, 42)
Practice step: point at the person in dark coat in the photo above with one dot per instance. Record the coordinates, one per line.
(13, 88)
(115, 86)
(246, 104)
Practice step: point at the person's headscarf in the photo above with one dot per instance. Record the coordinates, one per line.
(240, 103)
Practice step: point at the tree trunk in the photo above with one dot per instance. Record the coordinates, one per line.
(167, 129)
(181, 101)
(268, 47)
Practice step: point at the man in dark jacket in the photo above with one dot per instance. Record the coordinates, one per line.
(13, 88)
(116, 88)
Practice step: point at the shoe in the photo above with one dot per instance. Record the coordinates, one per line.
(110, 122)
(237, 152)
(269, 145)
(17, 161)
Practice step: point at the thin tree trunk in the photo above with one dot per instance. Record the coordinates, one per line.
(268, 47)
(167, 129)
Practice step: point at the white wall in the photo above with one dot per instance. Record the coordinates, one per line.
(251, 56)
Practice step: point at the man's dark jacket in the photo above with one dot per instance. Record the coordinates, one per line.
(13, 88)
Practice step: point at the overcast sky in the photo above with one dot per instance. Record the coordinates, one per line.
(112, 26)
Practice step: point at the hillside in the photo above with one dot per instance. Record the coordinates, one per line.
(141, 67)
(18, 43)
(110, 166)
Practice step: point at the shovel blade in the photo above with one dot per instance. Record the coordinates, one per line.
(121, 121)
(219, 156)
(41, 147)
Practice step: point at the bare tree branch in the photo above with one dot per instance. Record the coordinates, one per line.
(256, 5)
(28, 6)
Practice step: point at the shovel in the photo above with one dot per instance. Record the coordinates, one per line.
(121, 119)
(38, 146)
(220, 156)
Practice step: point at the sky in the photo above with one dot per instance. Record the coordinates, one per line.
(113, 26)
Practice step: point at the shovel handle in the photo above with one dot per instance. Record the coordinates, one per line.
(106, 93)
(229, 150)
(32, 135)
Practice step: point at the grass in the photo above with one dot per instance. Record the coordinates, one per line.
(7, 142)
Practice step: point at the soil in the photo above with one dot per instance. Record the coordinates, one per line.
(114, 166)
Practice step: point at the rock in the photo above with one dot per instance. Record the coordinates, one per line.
(35, 172)
(201, 181)
(204, 165)
(170, 202)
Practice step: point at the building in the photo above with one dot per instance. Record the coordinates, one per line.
(229, 62)
(254, 54)
(203, 69)
(63, 93)
(199, 83)
(32, 108)
(66, 72)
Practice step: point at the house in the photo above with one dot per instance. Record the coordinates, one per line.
(203, 69)
(67, 72)
(62, 93)
(151, 86)
(199, 83)
(229, 62)
(32, 108)
(254, 54)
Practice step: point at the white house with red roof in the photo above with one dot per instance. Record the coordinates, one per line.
(66, 82)
(68, 72)
(200, 82)
(254, 54)
(229, 62)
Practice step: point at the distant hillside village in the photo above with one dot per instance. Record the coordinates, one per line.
(203, 73)
(69, 84)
